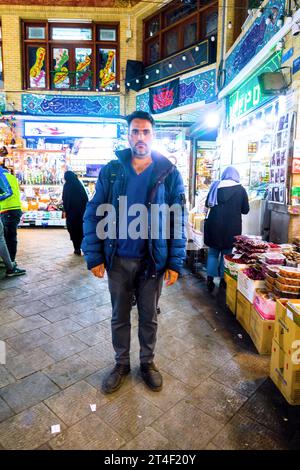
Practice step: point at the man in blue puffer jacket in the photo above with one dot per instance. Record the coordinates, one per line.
(136, 251)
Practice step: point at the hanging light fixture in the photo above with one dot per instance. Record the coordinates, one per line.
(212, 38)
(170, 65)
(229, 26)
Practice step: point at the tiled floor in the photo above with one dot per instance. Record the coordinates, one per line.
(56, 325)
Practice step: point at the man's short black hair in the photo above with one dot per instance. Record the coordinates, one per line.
(140, 115)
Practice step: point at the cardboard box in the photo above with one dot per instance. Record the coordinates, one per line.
(285, 372)
(247, 286)
(286, 332)
(231, 291)
(243, 311)
(233, 268)
(281, 307)
(261, 332)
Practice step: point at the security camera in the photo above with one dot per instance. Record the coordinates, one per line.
(295, 29)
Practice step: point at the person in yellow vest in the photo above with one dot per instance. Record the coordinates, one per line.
(10, 211)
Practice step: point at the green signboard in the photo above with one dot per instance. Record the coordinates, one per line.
(248, 96)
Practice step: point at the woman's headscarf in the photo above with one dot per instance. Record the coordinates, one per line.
(230, 174)
(70, 176)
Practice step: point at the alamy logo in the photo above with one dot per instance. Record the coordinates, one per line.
(2, 352)
(159, 221)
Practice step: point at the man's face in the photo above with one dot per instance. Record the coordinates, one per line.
(140, 137)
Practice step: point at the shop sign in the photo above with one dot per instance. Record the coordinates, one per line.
(296, 65)
(287, 55)
(248, 96)
(69, 129)
(69, 105)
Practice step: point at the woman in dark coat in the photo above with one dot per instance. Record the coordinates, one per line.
(74, 201)
(227, 200)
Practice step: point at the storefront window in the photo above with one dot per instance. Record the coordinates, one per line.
(177, 26)
(60, 66)
(71, 34)
(190, 34)
(83, 68)
(107, 68)
(171, 42)
(73, 65)
(37, 66)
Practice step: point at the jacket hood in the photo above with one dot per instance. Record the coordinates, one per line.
(161, 164)
(224, 194)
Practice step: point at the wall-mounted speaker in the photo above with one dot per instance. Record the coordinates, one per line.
(134, 75)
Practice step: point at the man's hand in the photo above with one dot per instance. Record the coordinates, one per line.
(171, 277)
(99, 270)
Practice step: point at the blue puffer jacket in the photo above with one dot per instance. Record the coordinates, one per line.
(166, 187)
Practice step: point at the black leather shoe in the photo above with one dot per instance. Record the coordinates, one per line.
(210, 283)
(222, 284)
(151, 376)
(115, 378)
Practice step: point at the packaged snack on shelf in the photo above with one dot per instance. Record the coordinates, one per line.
(287, 287)
(289, 272)
(289, 280)
(265, 304)
(274, 258)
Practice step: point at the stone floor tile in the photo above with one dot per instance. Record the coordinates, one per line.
(243, 374)
(29, 429)
(73, 403)
(172, 392)
(217, 400)
(8, 315)
(64, 347)
(61, 328)
(172, 347)
(5, 411)
(269, 407)
(69, 371)
(5, 377)
(81, 293)
(101, 355)
(211, 446)
(10, 292)
(30, 308)
(25, 364)
(30, 323)
(57, 300)
(187, 426)
(7, 331)
(92, 335)
(129, 414)
(28, 341)
(242, 433)
(149, 439)
(91, 433)
(28, 391)
(90, 317)
(189, 369)
(58, 313)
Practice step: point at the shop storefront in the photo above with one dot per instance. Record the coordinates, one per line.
(257, 139)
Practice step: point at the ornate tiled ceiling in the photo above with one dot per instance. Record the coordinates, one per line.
(74, 3)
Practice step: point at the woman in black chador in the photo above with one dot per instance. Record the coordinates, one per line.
(74, 200)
